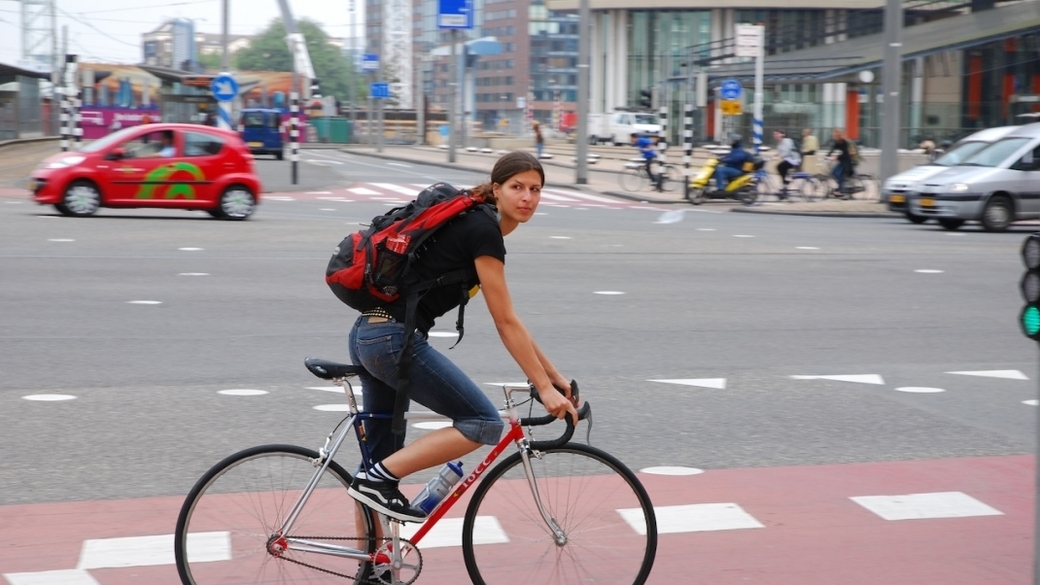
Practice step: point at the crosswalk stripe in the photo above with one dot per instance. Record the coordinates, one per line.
(363, 191)
(584, 196)
(397, 189)
(553, 197)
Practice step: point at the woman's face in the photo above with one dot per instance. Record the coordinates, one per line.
(518, 198)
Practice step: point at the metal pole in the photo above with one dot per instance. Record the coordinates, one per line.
(224, 65)
(352, 94)
(760, 64)
(462, 96)
(294, 129)
(687, 147)
(891, 80)
(379, 116)
(452, 93)
(63, 119)
(581, 175)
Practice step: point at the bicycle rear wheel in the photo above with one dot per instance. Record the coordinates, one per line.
(234, 510)
(603, 510)
(671, 178)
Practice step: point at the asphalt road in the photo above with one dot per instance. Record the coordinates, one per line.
(751, 299)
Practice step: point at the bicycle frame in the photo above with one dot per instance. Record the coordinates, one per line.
(515, 436)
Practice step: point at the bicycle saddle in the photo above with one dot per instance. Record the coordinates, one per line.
(328, 370)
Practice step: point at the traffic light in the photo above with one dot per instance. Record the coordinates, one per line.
(646, 97)
(1030, 285)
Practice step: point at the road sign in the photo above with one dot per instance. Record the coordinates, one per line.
(379, 91)
(732, 108)
(224, 87)
(369, 62)
(455, 14)
(749, 39)
(731, 89)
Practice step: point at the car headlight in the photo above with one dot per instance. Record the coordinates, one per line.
(959, 188)
(68, 161)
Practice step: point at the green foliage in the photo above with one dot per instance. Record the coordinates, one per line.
(270, 52)
(210, 62)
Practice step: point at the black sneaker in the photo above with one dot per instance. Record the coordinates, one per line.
(384, 497)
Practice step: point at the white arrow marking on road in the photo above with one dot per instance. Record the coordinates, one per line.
(858, 378)
(716, 383)
(1008, 374)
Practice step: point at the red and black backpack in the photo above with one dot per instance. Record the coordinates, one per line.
(374, 267)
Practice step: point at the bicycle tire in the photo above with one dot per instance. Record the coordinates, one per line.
(599, 503)
(871, 187)
(234, 508)
(811, 189)
(855, 188)
(633, 179)
(671, 179)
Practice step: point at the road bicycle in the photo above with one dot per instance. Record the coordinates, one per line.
(561, 512)
(861, 186)
(634, 177)
(800, 186)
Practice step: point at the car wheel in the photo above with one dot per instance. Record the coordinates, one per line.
(81, 199)
(998, 213)
(950, 223)
(914, 218)
(236, 203)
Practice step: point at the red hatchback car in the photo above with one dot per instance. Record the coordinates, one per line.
(173, 166)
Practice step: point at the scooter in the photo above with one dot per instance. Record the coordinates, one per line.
(743, 188)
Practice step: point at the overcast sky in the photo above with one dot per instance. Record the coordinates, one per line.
(110, 30)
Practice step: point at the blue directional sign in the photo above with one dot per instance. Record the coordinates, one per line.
(379, 91)
(224, 88)
(369, 62)
(455, 14)
(731, 89)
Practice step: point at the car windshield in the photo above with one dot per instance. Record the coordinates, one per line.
(645, 119)
(959, 153)
(106, 142)
(995, 153)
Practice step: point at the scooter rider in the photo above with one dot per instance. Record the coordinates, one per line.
(731, 166)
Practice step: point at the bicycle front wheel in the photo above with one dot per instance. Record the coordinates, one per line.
(228, 522)
(633, 179)
(671, 178)
(606, 519)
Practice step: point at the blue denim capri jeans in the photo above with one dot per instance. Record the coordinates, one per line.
(436, 383)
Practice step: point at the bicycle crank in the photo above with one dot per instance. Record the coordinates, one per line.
(407, 573)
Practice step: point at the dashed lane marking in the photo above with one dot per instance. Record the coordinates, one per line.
(929, 505)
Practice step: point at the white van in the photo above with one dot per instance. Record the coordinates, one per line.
(895, 188)
(996, 186)
(617, 127)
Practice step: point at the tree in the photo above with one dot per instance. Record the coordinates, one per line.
(270, 52)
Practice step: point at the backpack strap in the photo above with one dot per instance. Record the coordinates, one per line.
(404, 359)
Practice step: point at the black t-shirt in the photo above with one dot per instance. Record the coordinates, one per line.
(454, 247)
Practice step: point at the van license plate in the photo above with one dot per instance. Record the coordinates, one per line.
(928, 203)
(256, 144)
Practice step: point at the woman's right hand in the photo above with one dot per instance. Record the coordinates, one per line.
(557, 404)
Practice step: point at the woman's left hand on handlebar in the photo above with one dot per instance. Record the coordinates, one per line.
(558, 404)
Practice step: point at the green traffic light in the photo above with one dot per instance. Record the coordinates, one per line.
(1031, 321)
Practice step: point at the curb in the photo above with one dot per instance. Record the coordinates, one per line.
(640, 199)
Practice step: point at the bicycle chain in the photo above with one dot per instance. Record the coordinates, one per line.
(371, 581)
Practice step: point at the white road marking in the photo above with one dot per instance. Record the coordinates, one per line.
(674, 216)
(858, 378)
(242, 392)
(608, 292)
(1031, 402)
(49, 397)
(362, 191)
(61, 240)
(190, 249)
(147, 551)
(279, 198)
(706, 229)
(448, 532)
(66, 577)
(579, 195)
(144, 302)
(397, 189)
(331, 388)
(693, 518)
(334, 407)
(193, 274)
(717, 383)
(920, 390)
(806, 248)
(671, 470)
(929, 271)
(397, 164)
(742, 236)
(319, 192)
(327, 209)
(928, 505)
(1007, 374)
(552, 197)
(560, 238)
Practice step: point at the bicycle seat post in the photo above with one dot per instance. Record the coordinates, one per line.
(349, 391)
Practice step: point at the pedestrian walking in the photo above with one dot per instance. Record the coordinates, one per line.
(539, 140)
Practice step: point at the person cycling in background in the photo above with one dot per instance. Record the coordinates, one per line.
(731, 166)
(472, 241)
(649, 153)
(844, 167)
(789, 158)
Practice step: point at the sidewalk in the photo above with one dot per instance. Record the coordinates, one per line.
(603, 178)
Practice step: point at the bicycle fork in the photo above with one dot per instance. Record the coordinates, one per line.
(559, 536)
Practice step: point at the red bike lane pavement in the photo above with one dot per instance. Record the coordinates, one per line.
(778, 526)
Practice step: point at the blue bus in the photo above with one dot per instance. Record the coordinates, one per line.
(262, 131)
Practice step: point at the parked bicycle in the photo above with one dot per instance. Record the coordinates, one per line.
(571, 513)
(634, 177)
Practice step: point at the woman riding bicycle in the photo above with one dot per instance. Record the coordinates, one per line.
(473, 240)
